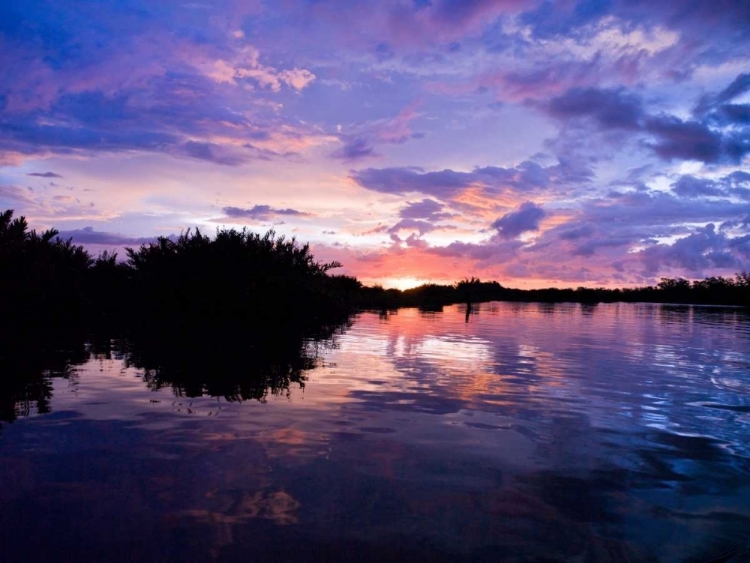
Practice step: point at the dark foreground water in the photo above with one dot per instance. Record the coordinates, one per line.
(523, 432)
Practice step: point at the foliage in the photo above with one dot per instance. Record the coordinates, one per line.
(713, 291)
(41, 275)
(243, 277)
(235, 275)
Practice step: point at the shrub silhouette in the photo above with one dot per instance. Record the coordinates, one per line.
(241, 276)
(42, 277)
(237, 275)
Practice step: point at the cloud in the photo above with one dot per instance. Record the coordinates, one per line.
(668, 136)
(297, 78)
(735, 184)
(718, 111)
(88, 235)
(212, 152)
(226, 85)
(652, 211)
(704, 249)
(687, 140)
(739, 86)
(405, 24)
(589, 247)
(577, 232)
(515, 223)
(360, 140)
(489, 252)
(154, 93)
(246, 65)
(17, 195)
(171, 122)
(354, 149)
(403, 180)
(525, 177)
(426, 209)
(690, 186)
(611, 109)
(261, 212)
(44, 175)
(412, 224)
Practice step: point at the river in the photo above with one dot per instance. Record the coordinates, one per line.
(517, 432)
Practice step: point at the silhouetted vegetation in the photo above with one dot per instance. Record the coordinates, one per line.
(42, 278)
(710, 291)
(242, 277)
(239, 275)
(236, 275)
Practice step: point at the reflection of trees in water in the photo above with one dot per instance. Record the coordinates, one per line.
(236, 370)
(235, 365)
(231, 363)
(27, 367)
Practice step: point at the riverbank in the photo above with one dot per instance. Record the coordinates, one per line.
(710, 291)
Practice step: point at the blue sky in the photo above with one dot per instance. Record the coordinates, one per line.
(536, 143)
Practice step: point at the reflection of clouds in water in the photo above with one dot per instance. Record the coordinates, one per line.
(100, 381)
(292, 443)
(235, 508)
(529, 426)
(456, 354)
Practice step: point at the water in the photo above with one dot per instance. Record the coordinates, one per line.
(523, 432)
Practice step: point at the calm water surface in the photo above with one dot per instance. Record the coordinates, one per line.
(523, 432)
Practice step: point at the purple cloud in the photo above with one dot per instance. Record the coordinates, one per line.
(88, 235)
(739, 86)
(685, 140)
(515, 223)
(213, 153)
(261, 212)
(704, 249)
(355, 149)
(528, 176)
(577, 232)
(408, 224)
(690, 186)
(445, 183)
(516, 100)
(736, 184)
(494, 251)
(44, 175)
(611, 109)
(426, 209)
(668, 136)
(17, 195)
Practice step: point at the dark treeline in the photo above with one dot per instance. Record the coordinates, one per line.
(710, 291)
(252, 282)
(234, 276)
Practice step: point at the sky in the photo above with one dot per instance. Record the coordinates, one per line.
(569, 143)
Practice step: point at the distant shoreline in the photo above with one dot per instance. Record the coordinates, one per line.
(477, 303)
(715, 291)
(254, 284)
